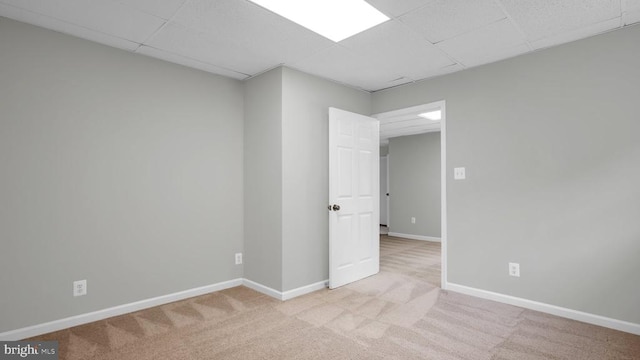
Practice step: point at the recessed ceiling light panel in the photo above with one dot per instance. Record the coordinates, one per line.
(333, 19)
(432, 115)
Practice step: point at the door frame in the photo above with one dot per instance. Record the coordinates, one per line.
(441, 105)
(386, 191)
(443, 193)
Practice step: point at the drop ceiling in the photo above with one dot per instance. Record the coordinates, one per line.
(407, 121)
(238, 39)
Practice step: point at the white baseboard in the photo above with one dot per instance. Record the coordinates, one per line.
(263, 289)
(415, 237)
(286, 295)
(549, 309)
(65, 323)
(290, 294)
(81, 319)
(56, 325)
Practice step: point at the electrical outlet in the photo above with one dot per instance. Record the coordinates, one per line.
(459, 173)
(514, 269)
(80, 288)
(413, 220)
(238, 258)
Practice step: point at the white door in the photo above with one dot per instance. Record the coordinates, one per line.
(384, 191)
(354, 181)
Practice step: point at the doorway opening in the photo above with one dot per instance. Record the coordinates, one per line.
(418, 215)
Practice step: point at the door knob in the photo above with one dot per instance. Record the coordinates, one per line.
(333, 207)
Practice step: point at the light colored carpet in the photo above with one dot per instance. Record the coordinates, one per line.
(398, 314)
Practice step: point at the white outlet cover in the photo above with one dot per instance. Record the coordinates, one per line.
(459, 173)
(514, 269)
(80, 288)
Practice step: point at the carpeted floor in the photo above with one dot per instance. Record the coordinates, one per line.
(398, 314)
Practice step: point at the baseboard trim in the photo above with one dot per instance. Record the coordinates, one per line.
(65, 323)
(415, 237)
(286, 295)
(81, 319)
(547, 308)
(290, 294)
(262, 289)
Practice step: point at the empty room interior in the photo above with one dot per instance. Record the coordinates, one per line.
(166, 169)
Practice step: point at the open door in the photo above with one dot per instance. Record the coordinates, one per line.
(354, 183)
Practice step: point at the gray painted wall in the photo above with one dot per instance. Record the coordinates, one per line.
(115, 168)
(550, 144)
(287, 173)
(305, 172)
(263, 179)
(414, 180)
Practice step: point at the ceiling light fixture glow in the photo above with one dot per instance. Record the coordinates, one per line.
(333, 19)
(432, 115)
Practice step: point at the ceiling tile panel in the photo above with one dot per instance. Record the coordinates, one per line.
(215, 16)
(164, 9)
(444, 19)
(342, 65)
(543, 18)
(108, 17)
(478, 46)
(248, 39)
(393, 45)
(238, 38)
(395, 8)
(203, 47)
(178, 59)
(581, 33)
(65, 27)
(253, 27)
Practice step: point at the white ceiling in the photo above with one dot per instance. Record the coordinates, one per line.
(239, 39)
(407, 121)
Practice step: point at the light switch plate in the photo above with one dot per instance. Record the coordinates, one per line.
(459, 173)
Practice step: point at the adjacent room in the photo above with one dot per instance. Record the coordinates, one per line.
(198, 179)
(410, 188)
